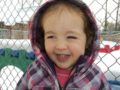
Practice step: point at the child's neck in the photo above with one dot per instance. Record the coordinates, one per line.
(62, 75)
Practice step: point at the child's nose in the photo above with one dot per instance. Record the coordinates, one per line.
(61, 45)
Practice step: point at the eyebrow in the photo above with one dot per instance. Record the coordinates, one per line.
(72, 32)
(49, 32)
(68, 32)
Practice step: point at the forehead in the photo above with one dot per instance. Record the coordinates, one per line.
(63, 7)
(63, 13)
(63, 21)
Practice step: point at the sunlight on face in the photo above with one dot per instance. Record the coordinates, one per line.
(65, 39)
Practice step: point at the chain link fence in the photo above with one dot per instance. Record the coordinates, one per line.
(15, 49)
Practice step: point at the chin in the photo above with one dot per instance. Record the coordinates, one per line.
(64, 67)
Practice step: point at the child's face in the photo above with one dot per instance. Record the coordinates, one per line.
(65, 39)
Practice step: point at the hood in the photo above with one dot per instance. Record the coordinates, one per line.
(36, 34)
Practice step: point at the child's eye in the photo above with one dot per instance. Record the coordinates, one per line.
(50, 37)
(71, 37)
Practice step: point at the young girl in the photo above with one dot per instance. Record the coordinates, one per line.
(64, 36)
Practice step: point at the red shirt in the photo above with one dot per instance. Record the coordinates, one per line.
(62, 75)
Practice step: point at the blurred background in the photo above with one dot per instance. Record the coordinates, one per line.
(15, 48)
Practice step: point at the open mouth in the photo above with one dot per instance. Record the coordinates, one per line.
(63, 57)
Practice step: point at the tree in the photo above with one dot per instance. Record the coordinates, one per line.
(105, 26)
(117, 27)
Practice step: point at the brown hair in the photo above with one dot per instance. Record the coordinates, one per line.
(89, 22)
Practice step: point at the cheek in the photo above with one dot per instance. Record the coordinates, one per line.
(78, 49)
(49, 47)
